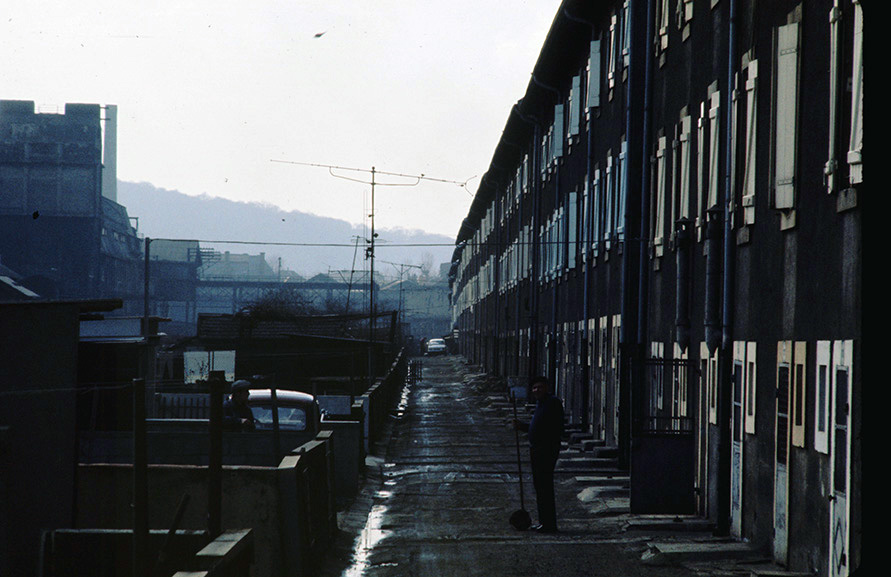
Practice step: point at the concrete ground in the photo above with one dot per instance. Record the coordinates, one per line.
(442, 483)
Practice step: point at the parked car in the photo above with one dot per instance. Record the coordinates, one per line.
(297, 411)
(436, 347)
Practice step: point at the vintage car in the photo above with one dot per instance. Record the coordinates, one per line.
(297, 411)
(436, 347)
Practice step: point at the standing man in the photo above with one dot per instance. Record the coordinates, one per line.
(545, 431)
(237, 414)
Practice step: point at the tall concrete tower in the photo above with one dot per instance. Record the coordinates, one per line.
(110, 154)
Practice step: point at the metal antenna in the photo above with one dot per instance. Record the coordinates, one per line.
(369, 251)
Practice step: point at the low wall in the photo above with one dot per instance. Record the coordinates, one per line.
(348, 456)
(288, 507)
(380, 398)
(178, 447)
(100, 552)
(109, 552)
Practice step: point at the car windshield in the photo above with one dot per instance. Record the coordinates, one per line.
(289, 418)
(436, 342)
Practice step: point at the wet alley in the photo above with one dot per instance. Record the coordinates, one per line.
(442, 483)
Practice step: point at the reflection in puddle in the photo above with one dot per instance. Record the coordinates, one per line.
(371, 535)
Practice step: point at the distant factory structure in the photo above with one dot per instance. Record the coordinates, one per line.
(64, 236)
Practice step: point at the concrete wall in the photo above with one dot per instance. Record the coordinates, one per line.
(288, 507)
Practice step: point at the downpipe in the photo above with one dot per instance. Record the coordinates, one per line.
(726, 356)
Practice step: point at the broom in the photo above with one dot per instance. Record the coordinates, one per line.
(520, 518)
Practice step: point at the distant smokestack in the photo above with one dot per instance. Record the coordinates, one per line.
(110, 154)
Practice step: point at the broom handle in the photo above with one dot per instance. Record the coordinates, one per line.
(519, 467)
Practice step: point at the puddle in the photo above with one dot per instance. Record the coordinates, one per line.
(371, 535)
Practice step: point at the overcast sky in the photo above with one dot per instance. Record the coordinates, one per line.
(211, 92)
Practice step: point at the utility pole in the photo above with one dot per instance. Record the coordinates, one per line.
(369, 251)
(402, 267)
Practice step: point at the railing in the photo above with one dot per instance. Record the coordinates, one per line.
(657, 424)
(415, 371)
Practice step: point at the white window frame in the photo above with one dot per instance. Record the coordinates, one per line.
(711, 388)
(798, 406)
(680, 374)
(823, 418)
(657, 353)
(750, 386)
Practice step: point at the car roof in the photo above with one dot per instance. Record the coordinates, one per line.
(436, 341)
(282, 396)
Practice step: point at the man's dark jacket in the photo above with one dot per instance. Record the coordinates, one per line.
(546, 427)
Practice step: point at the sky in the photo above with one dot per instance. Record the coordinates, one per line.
(224, 98)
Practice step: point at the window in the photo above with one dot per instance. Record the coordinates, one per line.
(748, 184)
(559, 132)
(855, 149)
(701, 127)
(842, 370)
(744, 373)
(786, 107)
(572, 236)
(663, 17)
(575, 106)
(710, 388)
(750, 387)
(621, 191)
(660, 184)
(594, 75)
(799, 390)
(585, 232)
(714, 122)
(611, 55)
(684, 17)
(626, 34)
(822, 401)
(685, 145)
(680, 382)
(596, 207)
(658, 374)
(608, 192)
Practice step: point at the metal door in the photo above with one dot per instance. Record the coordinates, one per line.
(781, 476)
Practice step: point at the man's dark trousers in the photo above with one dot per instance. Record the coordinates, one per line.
(543, 463)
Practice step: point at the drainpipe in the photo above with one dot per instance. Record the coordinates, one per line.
(552, 352)
(724, 410)
(626, 340)
(637, 402)
(586, 297)
(535, 168)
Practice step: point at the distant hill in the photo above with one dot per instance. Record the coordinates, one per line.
(171, 214)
